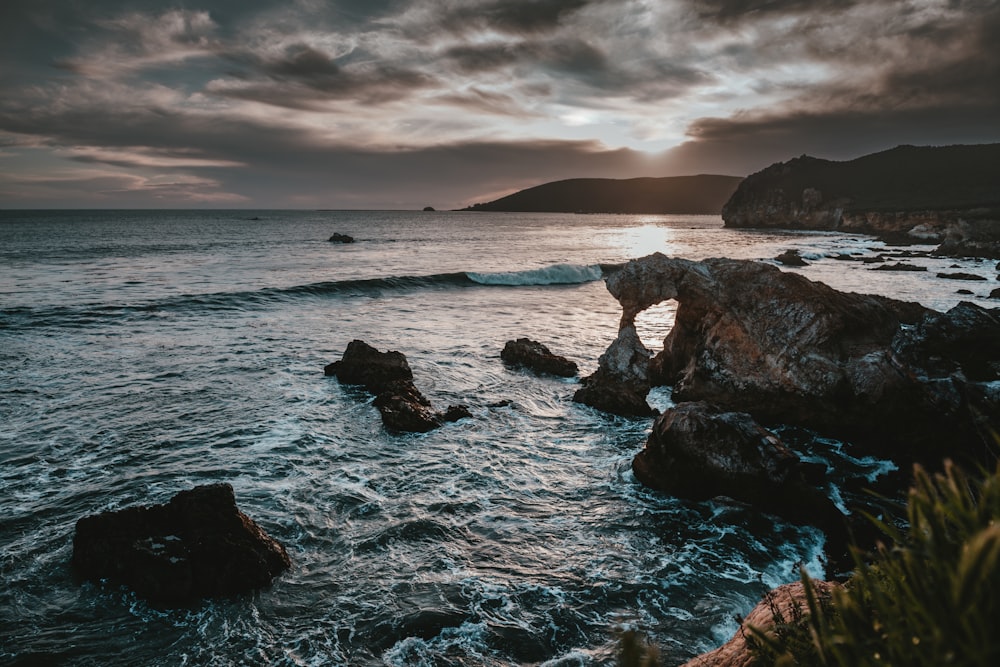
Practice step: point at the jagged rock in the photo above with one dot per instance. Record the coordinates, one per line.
(621, 382)
(958, 275)
(696, 451)
(791, 258)
(363, 364)
(388, 376)
(197, 545)
(786, 599)
(531, 354)
(405, 409)
(749, 337)
(341, 238)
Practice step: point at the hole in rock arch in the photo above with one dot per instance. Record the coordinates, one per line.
(654, 323)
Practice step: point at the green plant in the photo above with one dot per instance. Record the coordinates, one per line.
(930, 597)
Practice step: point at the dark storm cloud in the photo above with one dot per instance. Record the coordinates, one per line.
(511, 16)
(304, 77)
(733, 10)
(568, 54)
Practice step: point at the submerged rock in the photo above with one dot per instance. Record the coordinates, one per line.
(532, 354)
(698, 452)
(195, 546)
(959, 275)
(388, 376)
(749, 337)
(791, 258)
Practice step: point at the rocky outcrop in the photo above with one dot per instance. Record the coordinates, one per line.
(532, 354)
(341, 238)
(946, 195)
(789, 601)
(749, 337)
(195, 546)
(388, 376)
(696, 451)
(621, 382)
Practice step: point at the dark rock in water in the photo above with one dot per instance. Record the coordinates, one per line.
(613, 397)
(995, 294)
(404, 408)
(843, 257)
(899, 266)
(197, 545)
(534, 355)
(749, 337)
(429, 208)
(363, 364)
(791, 258)
(455, 412)
(965, 292)
(877, 259)
(621, 382)
(388, 376)
(341, 238)
(958, 275)
(698, 452)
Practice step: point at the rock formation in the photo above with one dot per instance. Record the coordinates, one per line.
(621, 382)
(785, 599)
(388, 376)
(749, 337)
(197, 545)
(532, 354)
(341, 238)
(947, 195)
(696, 451)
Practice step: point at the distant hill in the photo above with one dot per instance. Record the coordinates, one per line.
(676, 194)
(909, 194)
(805, 191)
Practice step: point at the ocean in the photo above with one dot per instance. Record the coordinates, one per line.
(145, 352)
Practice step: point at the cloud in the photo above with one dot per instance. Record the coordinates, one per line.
(517, 17)
(137, 41)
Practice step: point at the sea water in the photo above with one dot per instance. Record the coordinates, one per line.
(143, 353)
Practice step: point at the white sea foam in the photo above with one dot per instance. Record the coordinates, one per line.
(557, 274)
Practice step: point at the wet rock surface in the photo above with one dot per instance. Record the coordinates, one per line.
(388, 376)
(195, 546)
(749, 337)
(534, 355)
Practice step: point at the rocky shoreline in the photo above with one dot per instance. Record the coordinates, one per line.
(945, 195)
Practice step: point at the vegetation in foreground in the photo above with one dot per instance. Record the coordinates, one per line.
(928, 596)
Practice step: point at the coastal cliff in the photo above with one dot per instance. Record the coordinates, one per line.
(702, 194)
(948, 195)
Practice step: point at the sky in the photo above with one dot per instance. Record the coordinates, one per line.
(401, 104)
